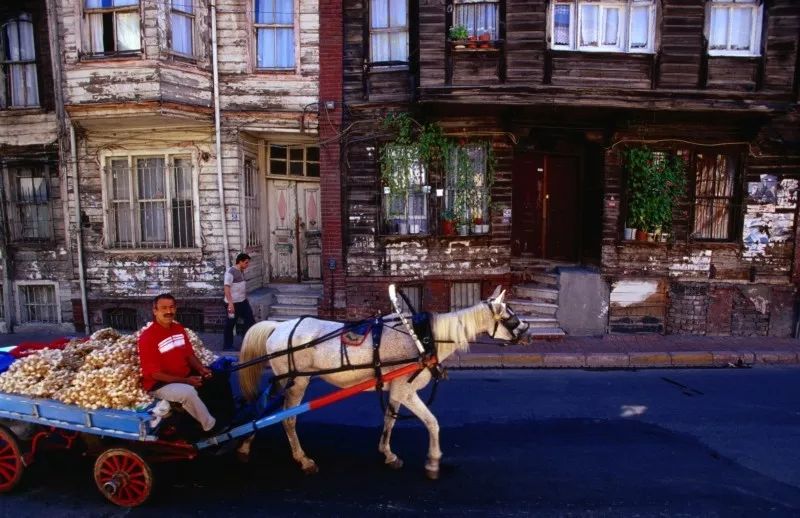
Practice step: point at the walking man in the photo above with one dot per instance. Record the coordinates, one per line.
(236, 299)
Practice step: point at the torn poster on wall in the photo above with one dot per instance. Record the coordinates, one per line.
(764, 192)
(787, 194)
(765, 228)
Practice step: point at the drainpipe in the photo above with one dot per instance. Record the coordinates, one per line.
(5, 263)
(79, 228)
(218, 134)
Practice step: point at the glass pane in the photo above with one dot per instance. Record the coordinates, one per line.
(183, 179)
(296, 154)
(277, 167)
(399, 46)
(128, 31)
(284, 48)
(120, 174)
(153, 221)
(296, 168)
(379, 14)
(640, 27)
(589, 21)
(119, 3)
(312, 153)
(718, 39)
(265, 11)
(561, 21)
(277, 152)
(265, 51)
(611, 27)
(379, 46)
(312, 169)
(150, 178)
(284, 12)
(183, 6)
(121, 222)
(397, 13)
(741, 27)
(182, 34)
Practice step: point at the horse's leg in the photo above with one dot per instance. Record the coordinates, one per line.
(243, 451)
(418, 408)
(294, 395)
(384, 446)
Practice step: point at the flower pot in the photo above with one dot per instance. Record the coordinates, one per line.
(664, 237)
(630, 234)
(651, 237)
(641, 235)
(472, 42)
(448, 228)
(402, 228)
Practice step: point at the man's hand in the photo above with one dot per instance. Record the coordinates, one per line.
(195, 381)
(205, 372)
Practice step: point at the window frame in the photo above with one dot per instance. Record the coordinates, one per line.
(421, 189)
(87, 41)
(18, 291)
(624, 26)
(251, 202)
(11, 175)
(111, 241)
(295, 38)
(7, 64)
(389, 29)
(756, 27)
(734, 200)
(484, 188)
(289, 147)
(459, 4)
(192, 16)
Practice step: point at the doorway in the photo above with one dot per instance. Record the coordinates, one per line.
(546, 206)
(295, 231)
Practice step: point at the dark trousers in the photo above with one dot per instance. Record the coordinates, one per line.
(241, 310)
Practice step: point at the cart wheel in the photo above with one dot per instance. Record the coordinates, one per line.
(123, 477)
(10, 460)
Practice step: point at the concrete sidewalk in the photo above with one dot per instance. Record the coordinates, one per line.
(609, 351)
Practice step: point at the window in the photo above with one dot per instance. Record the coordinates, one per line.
(388, 31)
(414, 296)
(607, 26)
(252, 206)
(478, 17)
(121, 318)
(405, 194)
(274, 25)
(295, 160)
(182, 23)
(715, 177)
(18, 73)
(112, 27)
(29, 203)
(467, 192)
(150, 202)
(734, 27)
(464, 295)
(38, 303)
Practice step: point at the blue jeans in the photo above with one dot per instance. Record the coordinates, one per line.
(241, 310)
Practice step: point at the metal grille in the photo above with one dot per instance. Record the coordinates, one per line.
(252, 205)
(2, 304)
(151, 205)
(414, 294)
(121, 318)
(31, 219)
(464, 294)
(191, 318)
(38, 303)
(714, 181)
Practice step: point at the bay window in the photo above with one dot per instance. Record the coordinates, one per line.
(274, 27)
(20, 87)
(112, 27)
(388, 31)
(150, 202)
(734, 27)
(604, 26)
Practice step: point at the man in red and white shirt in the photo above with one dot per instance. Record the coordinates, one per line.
(170, 370)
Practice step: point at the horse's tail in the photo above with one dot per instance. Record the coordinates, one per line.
(253, 346)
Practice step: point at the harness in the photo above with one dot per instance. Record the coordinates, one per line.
(509, 323)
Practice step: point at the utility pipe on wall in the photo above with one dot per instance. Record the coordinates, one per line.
(220, 186)
(78, 227)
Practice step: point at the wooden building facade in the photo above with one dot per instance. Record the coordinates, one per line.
(556, 92)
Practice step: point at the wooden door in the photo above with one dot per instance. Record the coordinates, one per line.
(295, 231)
(545, 206)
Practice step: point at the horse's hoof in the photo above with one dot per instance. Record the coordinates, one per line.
(395, 464)
(242, 458)
(432, 474)
(311, 470)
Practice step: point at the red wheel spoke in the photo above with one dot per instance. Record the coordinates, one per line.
(7, 457)
(7, 472)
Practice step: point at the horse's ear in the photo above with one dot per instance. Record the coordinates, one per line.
(496, 292)
(501, 297)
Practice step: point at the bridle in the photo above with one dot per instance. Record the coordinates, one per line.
(510, 322)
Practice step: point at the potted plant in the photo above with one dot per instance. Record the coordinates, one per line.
(655, 183)
(478, 226)
(448, 222)
(485, 39)
(458, 34)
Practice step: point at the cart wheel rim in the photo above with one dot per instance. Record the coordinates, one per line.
(10, 461)
(123, 477)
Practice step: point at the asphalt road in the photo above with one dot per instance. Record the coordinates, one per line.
(516, 443)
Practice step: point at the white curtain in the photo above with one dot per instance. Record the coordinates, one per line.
(718, 37)
(151, 182)
(284, 47)
(640, 27)
(589, 15)
(611, 26)
(128, 31)
(741, 27)
(96, 33)
(182, 34)
(561, 24)
(478, 18)
(391, 45)
(284, 12)
(23, 79)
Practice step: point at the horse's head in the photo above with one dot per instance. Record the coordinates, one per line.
(507, 326)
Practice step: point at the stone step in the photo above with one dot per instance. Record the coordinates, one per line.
(528, 307)
(539, 322)
(547, 280)
(536, 292)
(545, 333)
(279, 310)
(296, 299)
(310, 288)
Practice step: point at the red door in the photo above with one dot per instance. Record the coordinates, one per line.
(545, 209)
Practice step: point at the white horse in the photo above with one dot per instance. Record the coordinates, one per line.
(451, 332)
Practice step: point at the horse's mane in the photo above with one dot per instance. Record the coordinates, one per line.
(453, 331)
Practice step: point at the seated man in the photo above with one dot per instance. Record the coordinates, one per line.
(170, 370)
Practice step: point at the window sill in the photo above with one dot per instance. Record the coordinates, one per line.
(159, 251)
(111, 56)
(14, 111)
(379, 68)
(478, 47)
(608, 52)
(182, 58)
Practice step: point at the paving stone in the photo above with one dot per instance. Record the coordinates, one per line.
(571, 360)
(607, 360)
(639, 359)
